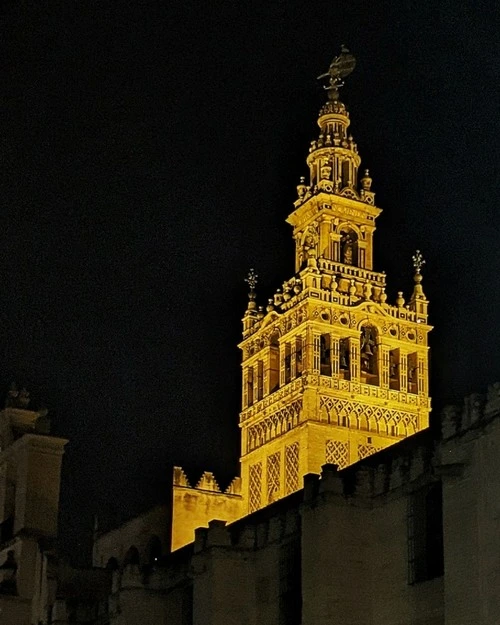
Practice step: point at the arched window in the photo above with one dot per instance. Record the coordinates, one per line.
(132, 556)
(112, 564)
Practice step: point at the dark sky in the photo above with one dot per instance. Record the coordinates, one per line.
(149, 156)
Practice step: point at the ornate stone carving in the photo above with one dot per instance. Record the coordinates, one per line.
(255, 486)
(273, 476)
(337, 452)
(291, 468)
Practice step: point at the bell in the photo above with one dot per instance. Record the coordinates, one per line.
(368, 350)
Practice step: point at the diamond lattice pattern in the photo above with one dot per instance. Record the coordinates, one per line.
(291, 468)
(337, 452)
(367, 450)
(255, 479)
(273, 477)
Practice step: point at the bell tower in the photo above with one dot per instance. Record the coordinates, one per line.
(332, 372)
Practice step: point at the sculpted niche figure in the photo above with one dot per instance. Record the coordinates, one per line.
(347, 250)
(309, 251)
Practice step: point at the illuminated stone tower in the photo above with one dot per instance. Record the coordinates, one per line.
(331, 371)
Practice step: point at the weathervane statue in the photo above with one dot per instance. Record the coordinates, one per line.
(341, 66)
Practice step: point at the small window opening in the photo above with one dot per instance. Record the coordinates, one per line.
(412, 372)
(250, 386)
(288, 363)
(325, 355)
(299, 356)
(344, 358)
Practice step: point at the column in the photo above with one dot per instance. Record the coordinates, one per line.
(335, 354)
(403, 371)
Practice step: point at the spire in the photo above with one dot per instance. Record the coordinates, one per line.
(251, 313)
(418, 302)
(333, 157)
(251, 280)
(418, 263)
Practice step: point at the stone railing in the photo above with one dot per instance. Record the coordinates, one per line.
(372, 390)
(351, 271)
(272, 398)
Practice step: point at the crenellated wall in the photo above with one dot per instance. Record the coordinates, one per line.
(343, 548)
(471, 485)
(195, 507)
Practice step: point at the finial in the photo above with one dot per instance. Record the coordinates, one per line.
(367, 290)
(366, 181)
(341, 66)
(251, 280)
(302, 187)
(418, 261)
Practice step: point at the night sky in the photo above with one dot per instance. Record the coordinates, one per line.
(149, 156)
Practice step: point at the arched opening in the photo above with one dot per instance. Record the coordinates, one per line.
(112, 564)
(132, 557)
(349, 247)
(368, 355)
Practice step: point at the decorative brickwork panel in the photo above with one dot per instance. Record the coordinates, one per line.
(273, 477)
(367, 450)
(255, 488)
(337, 452)
(291, 468)
(362, 416)
(274, 425)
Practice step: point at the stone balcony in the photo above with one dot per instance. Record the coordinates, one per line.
(290, 391)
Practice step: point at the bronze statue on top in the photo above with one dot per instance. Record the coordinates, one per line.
(341, 66)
